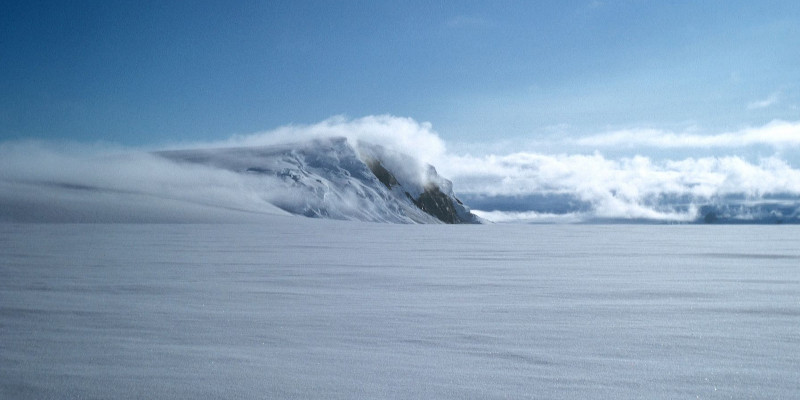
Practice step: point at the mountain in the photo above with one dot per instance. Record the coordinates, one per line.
(333, 178)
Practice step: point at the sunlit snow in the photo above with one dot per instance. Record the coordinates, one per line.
(308, 308)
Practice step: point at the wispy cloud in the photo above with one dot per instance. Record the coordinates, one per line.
(777, 134)
(765, 103)
(466, 21)
(528, 216)
(592, 5)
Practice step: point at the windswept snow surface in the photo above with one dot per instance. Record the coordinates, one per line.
(320, 309)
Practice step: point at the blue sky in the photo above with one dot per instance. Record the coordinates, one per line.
(148, 73)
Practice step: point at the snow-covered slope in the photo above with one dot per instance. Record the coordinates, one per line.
(333, 178)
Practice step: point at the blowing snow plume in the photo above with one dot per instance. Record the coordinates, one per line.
(378, 168)
(305, 171)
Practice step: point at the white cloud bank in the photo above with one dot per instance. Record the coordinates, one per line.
(765, 103)
(627, 188)
(631, 178)
(119, 185)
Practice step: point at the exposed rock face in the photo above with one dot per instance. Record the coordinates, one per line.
(383, 174)
(446, 208)
(438, 204)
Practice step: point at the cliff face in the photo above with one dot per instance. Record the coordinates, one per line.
(441, 206)
(432, 200)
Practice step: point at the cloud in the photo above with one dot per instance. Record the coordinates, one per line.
(594, 176)
(404, 135)
(465, 21)
(97, 183)
(593, 5)
(777, 134)
(39, 182)
(530, 217)
(46, 181)
(625, 188)
(768, 102)
(634, 187)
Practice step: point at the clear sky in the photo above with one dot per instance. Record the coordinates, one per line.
(153, 72)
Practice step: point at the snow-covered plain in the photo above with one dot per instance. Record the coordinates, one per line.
(309, 308)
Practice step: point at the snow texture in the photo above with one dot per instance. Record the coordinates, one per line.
(299, 308)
